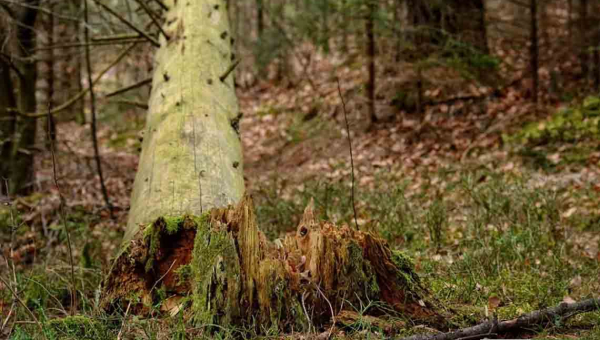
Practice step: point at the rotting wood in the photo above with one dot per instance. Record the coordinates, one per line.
(229, 274)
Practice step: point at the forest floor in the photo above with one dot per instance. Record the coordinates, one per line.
(496, 200)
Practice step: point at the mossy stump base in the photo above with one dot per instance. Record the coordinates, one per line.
(220, 269)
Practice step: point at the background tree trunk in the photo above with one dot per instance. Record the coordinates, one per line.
(18, 154)
(260, 18)
(370, 32)
(7, 122)
(48, 25)
(533, 54)
(583, 34)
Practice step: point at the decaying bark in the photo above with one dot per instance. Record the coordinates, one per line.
(220, 269)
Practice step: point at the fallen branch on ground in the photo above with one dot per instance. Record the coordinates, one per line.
(540, 317)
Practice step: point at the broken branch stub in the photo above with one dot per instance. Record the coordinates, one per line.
(220, 269)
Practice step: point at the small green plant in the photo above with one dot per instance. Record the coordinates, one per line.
(567, 138)
(436, 220)
(566, 125)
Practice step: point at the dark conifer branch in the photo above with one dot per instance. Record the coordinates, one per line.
(127, 23)
(229, 70)
(152, 16)
(130, 87)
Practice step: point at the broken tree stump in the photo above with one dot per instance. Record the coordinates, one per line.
(220, 269)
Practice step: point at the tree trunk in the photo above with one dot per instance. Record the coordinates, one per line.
(72, 79)
(260, 18)
(435, 22)
(17, 155)
(8, 121)
(191, 153)
(596, 42)
(344, 26)
(211, 260)
(583, 35)
(48, 25)
(325, 32)
(370, 32)
(533, 54)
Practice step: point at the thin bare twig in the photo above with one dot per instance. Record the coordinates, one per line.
(153, 18)
(10, 264)
(291, 44)
(124, 319)
(228, 71)
(93, 109)
(57, 301)
(93, 43)
(8, 316)
(139, 105)
(162, 5)
(63, 218)
(130, 87)
(35, 319)
(306, 313)
(350, 147)
(163, 276)
(124, 36)
(80, 95)
(330, 309)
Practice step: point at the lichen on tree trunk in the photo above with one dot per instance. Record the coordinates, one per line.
(191, 156)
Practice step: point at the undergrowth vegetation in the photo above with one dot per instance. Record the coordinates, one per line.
(488, 244)
(567, 139)
(486, 241)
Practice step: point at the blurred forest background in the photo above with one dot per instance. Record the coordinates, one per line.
(475, 128)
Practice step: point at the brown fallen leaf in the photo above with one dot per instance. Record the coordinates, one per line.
(493, 302)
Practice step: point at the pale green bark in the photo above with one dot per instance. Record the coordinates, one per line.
(191, 155)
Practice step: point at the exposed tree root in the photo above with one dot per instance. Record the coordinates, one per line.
(540, 317)
(220, 269)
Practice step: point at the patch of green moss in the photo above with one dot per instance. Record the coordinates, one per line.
(184, 273)
(402, 261)
(268, 110)
(215, 273)
(512, 311)
(406, 269)
(466, 315)
(152, 238)
(10, 218)
(567, 125)
(38, 290)
(359, 271)
(405, 99)
(127, 140)
(76, 327)
(160, 294)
